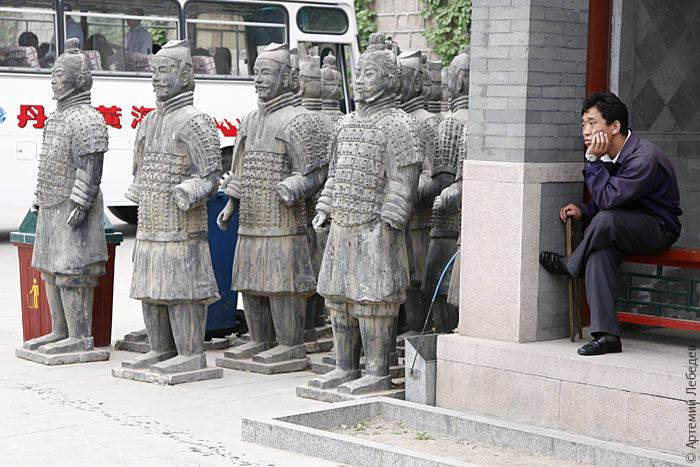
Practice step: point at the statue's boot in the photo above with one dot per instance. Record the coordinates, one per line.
(160, 337)
(376, 340)
(59, 328)
(445, 315)
(260, 327)
(288, 316)
(77, 308)
(346, 333)
(188, 321)
(416, 310)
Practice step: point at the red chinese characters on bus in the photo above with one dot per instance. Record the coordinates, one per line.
(138, 113)
(31, 113)
(112, 115)
(227, 128)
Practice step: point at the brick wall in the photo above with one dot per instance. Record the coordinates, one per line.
(527, 81)
(402, 21)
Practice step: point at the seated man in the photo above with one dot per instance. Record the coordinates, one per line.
(634, 210)
(138, 39)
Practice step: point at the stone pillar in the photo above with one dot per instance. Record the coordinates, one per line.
(524, 161)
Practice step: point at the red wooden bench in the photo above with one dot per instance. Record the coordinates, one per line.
(675, 257)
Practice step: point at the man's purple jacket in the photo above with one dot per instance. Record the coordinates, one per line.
(642, 179)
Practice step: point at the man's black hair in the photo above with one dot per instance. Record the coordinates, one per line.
(610, 107)
(28, 39)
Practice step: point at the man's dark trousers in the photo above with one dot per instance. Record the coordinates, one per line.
(612, 235)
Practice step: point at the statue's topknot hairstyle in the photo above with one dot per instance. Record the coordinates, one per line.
(76, 63)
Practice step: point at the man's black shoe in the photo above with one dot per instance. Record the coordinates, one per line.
(606, 343)
(554, 262)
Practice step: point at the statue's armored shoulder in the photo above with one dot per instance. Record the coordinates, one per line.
(89, 130)
(308, 134)
(201, 136)
(402, 136)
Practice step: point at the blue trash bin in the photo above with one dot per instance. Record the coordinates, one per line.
(221, 315)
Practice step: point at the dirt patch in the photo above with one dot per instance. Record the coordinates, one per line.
(400, 435)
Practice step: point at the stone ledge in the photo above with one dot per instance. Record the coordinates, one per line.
(635, 369)
(307, 433)
(618, 397)
(523, 172)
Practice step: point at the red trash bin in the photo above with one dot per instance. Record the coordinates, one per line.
(36, 317)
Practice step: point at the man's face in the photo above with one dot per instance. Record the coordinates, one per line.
(167, 79)
(371, 83)
(62, 82)
(132, 23)
(268, 78)
(592, 122)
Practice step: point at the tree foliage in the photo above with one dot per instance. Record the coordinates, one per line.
(448, 25)
(364, 13)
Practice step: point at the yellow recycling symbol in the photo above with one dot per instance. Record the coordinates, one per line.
(33, 296)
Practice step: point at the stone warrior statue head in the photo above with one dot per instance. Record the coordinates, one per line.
(378, 73)
(310, 77)
(432, 83)
(274, 73)
(411, 74)
(331, 79)
(458, 76)
(172, 70)
(71, 72)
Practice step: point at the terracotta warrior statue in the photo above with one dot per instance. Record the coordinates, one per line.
(332, 88)
(433, 86)
(70, 248)
(446, 221)
(311, 92)
(177, 165)
(373, 177)
(278, 164)
(415, 83)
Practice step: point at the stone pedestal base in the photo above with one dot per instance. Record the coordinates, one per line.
(327, 363)
(635, 397)
(332, 395)
(147, 376)
(137, 341)
(97, 355)
(247, 364)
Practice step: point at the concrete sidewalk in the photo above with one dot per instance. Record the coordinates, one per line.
(81, 415)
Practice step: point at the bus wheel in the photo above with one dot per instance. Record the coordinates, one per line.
(126, 213)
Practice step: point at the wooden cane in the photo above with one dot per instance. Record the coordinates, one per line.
(572, 305)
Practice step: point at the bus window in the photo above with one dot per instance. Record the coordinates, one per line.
(26, 32)
(226, 37)
(119, 36)
(319, 20)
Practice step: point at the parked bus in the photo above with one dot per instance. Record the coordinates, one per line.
(119, 38)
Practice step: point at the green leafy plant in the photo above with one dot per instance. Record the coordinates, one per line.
(365, 17)
(447, 28)
(422, 436)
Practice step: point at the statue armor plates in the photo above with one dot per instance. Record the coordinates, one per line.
(366, 148)
(272, 253)
(166, 234)
(76, 129)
